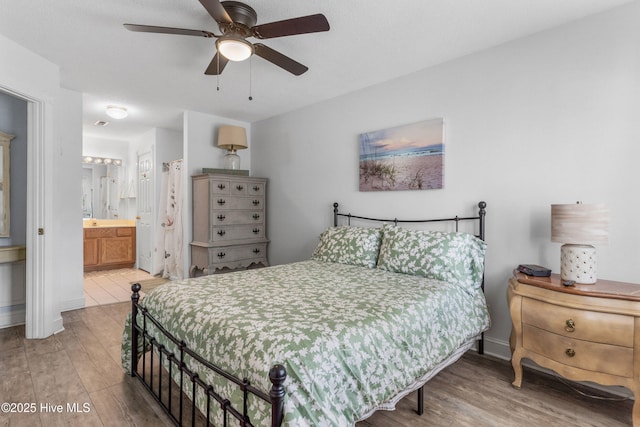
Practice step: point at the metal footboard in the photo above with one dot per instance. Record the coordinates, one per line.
(152, 369)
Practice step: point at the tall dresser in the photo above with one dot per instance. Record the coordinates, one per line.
(229, 218)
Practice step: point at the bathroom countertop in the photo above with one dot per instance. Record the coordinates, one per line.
(93, 223)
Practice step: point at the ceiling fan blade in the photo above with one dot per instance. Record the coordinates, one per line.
(168, 30)
(279, 59)
(216, 11)
(289, 27)
(215, 68)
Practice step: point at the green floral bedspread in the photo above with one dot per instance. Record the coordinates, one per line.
(349, 337)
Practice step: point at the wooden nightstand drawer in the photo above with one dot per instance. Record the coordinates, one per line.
(609, 328)
(596, 357)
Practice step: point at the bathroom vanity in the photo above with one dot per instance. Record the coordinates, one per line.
(109, 245)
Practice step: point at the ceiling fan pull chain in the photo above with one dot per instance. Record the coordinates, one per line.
(218, 73)
(250, 68)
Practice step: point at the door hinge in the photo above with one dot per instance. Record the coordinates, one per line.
(40, 231)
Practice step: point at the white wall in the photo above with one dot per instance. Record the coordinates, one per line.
(551, 118)
(67, 209)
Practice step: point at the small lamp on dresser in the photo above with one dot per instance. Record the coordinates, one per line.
(232, 138)
(579, 226)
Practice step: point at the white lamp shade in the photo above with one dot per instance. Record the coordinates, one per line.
(580, 224)
(232, 137)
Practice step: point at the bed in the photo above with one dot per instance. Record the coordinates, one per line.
(372, 316)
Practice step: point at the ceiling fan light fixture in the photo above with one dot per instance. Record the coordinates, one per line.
(116, 112)
(234, 48)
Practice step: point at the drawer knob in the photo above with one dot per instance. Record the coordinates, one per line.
(221, 201)
(256, 188)
(239, 187)
(256, 230)
(221, 233)
(256, 216)
(571, 325)
(570, 352)
(221, 186)
(256, 202)
(256, 251)
(221, 254)
(221, 217)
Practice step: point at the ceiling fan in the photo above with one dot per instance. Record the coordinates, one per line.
(237, 22)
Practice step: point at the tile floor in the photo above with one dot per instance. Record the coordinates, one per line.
(109, 286)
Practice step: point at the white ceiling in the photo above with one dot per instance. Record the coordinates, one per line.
(157, 76)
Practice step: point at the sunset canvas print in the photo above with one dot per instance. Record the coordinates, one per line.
(409, 157)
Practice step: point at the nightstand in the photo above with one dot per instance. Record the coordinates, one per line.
(582, 332)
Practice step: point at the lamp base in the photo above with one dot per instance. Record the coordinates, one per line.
(578, 263)
(231, 160)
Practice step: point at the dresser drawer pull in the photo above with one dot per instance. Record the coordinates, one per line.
(221, 233)
(256, 216)
(256, 188)
(221, 217)
(221, 254)
(571, 325)
(239, 187)
(570, 352)
(256, 251)
(256, 230)
(221, 201)
(222, 186)
(256, 202)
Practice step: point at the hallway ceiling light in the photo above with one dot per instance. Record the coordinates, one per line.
(116, 112)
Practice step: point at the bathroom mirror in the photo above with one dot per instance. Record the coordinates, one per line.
(101, 191)
(5, 161)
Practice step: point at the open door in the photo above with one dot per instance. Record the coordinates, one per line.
(145, 203)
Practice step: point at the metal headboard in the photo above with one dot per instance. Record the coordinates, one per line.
(480, 218)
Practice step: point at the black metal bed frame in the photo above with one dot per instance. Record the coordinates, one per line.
(277, 374)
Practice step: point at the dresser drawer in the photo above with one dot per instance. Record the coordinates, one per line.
(609, 328)
(255, 189)
(220, 186)
(221, 202)
(236, 187)
(237, 232)
(237, 217)
(236, 253)
(596, 357)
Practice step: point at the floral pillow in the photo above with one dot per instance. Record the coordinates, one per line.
(349, 245)
(456, 258)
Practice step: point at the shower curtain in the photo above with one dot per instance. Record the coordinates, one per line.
(168, 258)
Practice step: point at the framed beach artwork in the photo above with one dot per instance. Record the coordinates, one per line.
(408, 157)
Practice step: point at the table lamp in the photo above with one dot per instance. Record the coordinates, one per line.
(579, 227)
(232, 138)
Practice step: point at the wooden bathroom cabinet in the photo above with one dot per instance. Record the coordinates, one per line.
(107, 248)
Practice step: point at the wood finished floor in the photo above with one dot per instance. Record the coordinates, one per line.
(82, 365)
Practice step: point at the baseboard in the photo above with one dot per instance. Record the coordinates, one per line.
(15, 315)
(73, 304)
(501, 350)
